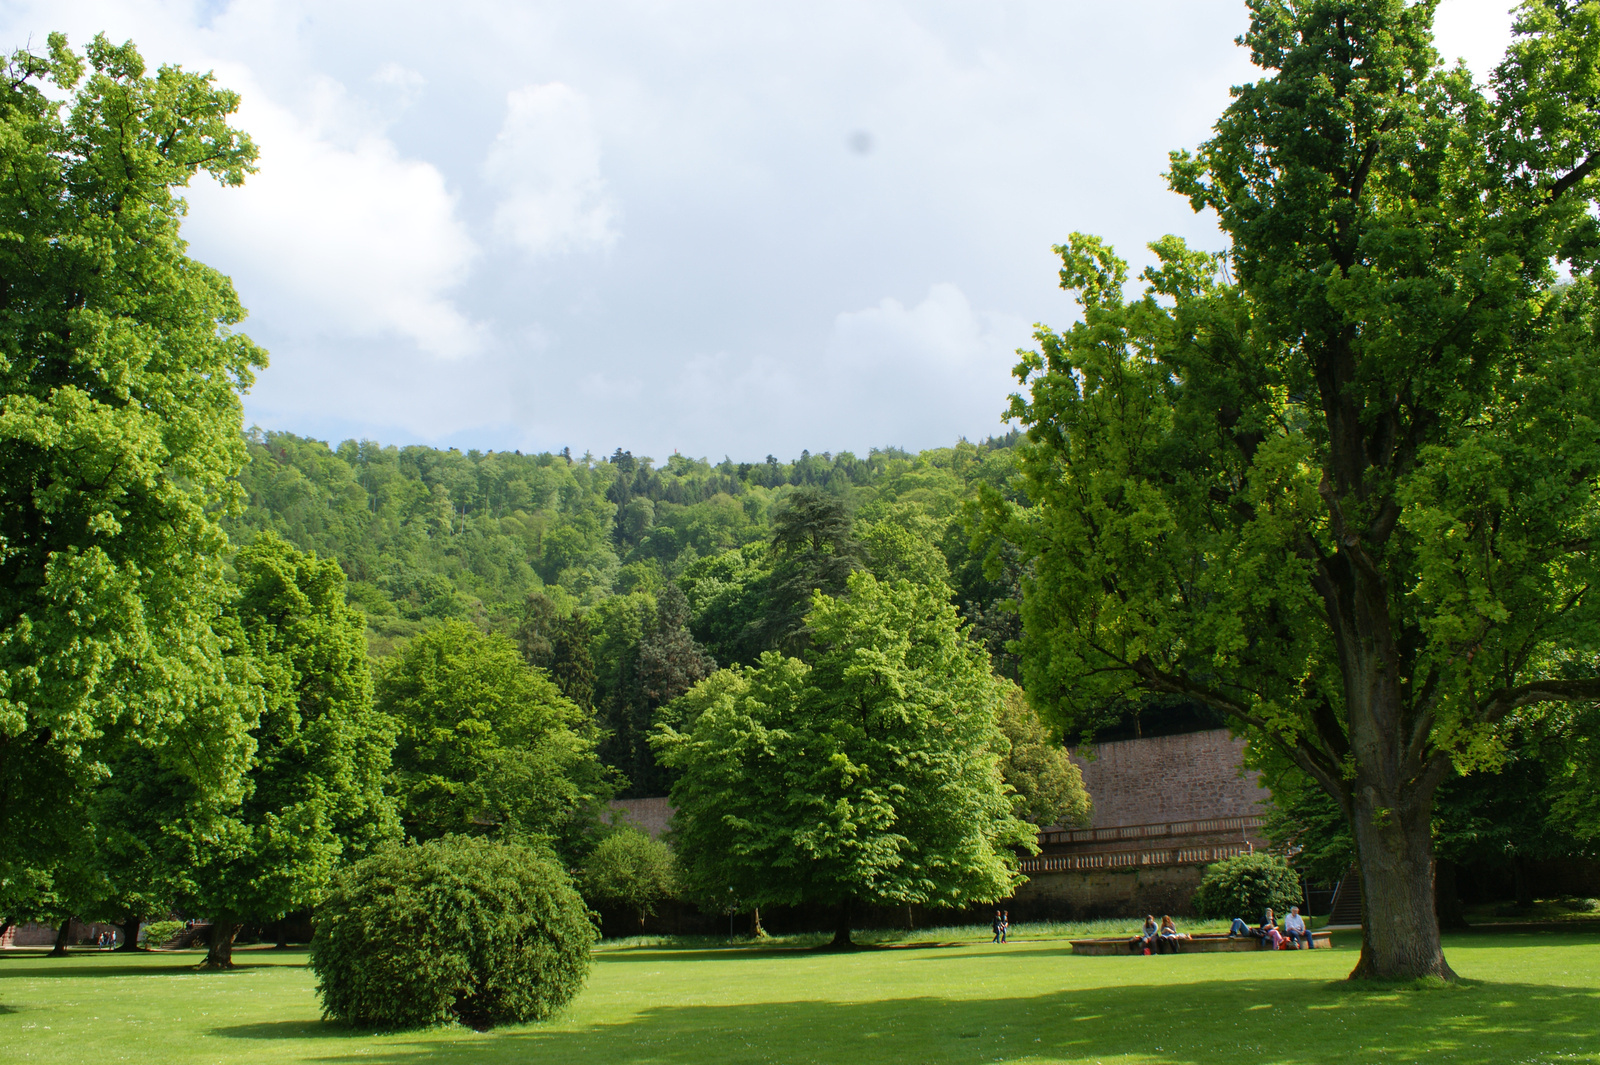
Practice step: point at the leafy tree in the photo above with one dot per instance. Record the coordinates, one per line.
(120, 370)
(814, 550)
(727, 596)
(533, 635)
(454, 930)
(1247, 885)
(315, 788)
(870, 775)
(906, 548)
(665, 663)
(1049, 787)
(1338, 482)
(559, 645)
(628, 868)
(486, 744)
(571, 665)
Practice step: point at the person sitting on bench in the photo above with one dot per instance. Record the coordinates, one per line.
(1167, 937)
(1271, 938)
(1294, 926)
(1145, 941)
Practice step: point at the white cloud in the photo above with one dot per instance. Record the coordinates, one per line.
(546, 162)
(339, 226)
(939, 364)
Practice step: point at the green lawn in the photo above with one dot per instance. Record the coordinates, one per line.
(1532, 997)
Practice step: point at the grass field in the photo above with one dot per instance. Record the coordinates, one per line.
(1527, 998)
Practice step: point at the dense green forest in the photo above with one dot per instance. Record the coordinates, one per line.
(628, 581)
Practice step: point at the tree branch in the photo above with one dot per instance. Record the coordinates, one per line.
(1502, 702)
(1572, 177)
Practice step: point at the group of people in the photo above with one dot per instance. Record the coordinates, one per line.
(1002, 924)
(1294, 935)
(1160, 938)
(1163, 938)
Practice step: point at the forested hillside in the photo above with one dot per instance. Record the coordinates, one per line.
(628, 581)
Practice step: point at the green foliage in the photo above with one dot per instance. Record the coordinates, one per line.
(727, 596)
(665, 663)
(1049, 787)
(160, 933)
(120, 369)
(1339, 482)
(453, 930)
(869, 775)
(1246, 885)
(814, 550)
(628, 868)
(315, 787)
(486, 743)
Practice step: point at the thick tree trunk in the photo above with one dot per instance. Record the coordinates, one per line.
(224, 930)
(280, 934)
(841, 927)
(1399, 926)
(130, 934)
(60, 949)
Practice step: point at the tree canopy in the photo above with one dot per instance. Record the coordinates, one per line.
(1338, 481)
(315, 788)
(870, 774)
(120, 438)
(486, 744)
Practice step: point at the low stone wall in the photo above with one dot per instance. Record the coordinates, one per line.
(1087, 894)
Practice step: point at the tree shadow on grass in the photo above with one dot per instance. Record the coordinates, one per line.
(189, 966)
(295, 1029)
(753, 953)
(1298, 1022)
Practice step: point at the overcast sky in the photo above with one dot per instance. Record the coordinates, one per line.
(721, 228)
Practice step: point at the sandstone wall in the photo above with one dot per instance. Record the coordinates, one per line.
(1169, 778)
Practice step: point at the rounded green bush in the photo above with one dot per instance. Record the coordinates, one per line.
(1245, 885)
(160, 933)
(454, 930)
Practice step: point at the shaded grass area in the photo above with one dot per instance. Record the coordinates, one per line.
(1544, 911)
(1527, 998)
(870, 937)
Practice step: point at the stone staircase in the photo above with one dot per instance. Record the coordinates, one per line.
(1347, 900)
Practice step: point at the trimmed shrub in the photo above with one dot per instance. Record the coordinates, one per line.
(454, 930)
(1245, 885)
(160, 933)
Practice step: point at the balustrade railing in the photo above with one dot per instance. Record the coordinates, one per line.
(1170, 828)
(1065, 863)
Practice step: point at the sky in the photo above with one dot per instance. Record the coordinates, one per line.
(720, 228)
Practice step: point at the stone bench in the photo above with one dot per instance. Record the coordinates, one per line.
(1206, 944)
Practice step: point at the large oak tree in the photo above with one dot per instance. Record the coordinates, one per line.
(1338, 481)
(120, 369)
